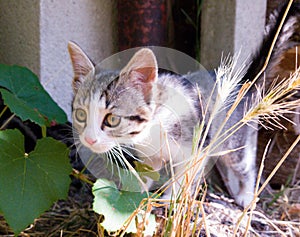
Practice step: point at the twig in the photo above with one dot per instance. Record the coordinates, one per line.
(279, 164)
(7, 121)
(3, 111)
(259, 175)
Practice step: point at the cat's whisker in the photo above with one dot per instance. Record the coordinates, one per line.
(114, 162)
(119, 152)
(128, 152)
(143, 154)
(149, 146)
(107, 157)
(78, 146)
(128, 149)
(73, 145)
(119, 155)
(116, 159)
(111, 160)
(146, 144)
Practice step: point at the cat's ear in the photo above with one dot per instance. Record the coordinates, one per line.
(142, 67)
(82, 65)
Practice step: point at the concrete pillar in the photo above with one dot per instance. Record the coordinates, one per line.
(35, 33)
(230, 26)
(19, 33)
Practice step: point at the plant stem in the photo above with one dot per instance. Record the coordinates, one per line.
(3, 111)
(278, 165)
(7, 121)
(44, 130)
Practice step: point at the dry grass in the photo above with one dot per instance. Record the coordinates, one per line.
(192, 217)
(272, 213)
(277, 214)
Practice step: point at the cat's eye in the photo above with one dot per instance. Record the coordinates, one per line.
(112, 120)
(80, 115)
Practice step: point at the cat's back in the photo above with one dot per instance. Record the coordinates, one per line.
(180, 91)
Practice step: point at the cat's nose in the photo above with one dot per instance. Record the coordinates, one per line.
(90, 140)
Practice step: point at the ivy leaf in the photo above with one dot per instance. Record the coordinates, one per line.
(117, 206)
(146, 171)
(30, 183)
(25, 96)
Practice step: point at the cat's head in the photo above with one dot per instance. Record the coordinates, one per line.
(111, 108)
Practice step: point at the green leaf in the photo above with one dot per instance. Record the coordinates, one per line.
(117, 206)
(146, 171)
(30, 183)
(26, 97)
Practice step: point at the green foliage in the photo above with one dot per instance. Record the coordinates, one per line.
(25, 96)
(122, 205)
(30, 183)
(117, 206)
(146, 171)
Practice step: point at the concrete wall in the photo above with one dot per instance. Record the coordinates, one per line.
(19, 33)
(230, 26)
(91, 24)
(35, 34)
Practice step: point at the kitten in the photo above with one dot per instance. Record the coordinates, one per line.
(155, 114)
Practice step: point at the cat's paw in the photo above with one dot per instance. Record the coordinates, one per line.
(244, 198)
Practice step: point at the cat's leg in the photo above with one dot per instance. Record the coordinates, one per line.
(238, 168)
(241, 179)
(244, 193)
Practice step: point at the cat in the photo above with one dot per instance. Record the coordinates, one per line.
(155, 114)
(138, 107)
